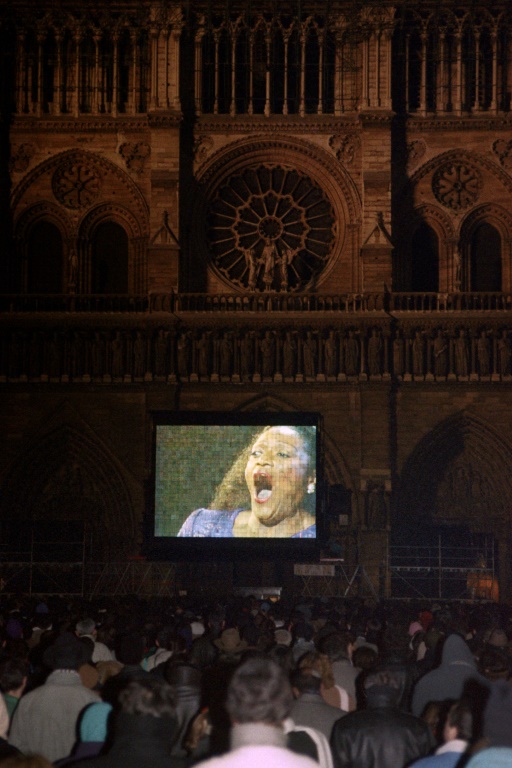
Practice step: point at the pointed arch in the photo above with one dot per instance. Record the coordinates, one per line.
(501, 221)
(73, 477)
(459, 472)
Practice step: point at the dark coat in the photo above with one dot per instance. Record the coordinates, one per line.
(379, 737)
(138, 741)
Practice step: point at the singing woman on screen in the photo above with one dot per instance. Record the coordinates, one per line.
(269, 491)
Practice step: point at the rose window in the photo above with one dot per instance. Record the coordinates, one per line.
(456, 186)
(270, 229)
(75, 186)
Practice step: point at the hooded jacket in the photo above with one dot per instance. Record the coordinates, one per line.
(448, 681)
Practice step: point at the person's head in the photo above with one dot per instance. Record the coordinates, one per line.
(305, 681)
(85, 627)
(315, 662)
(280, 470)
(66, 652)
(276, 489)
(259, 692)
(150, 696)
(459, 722)
(337, 645)
(13, 674)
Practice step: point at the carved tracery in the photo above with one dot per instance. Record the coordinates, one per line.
(270, 227)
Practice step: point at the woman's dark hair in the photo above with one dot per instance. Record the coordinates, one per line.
(232, 492)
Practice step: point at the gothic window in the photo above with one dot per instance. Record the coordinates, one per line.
(425, 260)
(294, 63)
(109, 265)
(242, 72)
(311, 74)
(125, 66)
(208, 73)
(106, 86)
(277, 84)
(270, 228)
(485, 71)
(44, 263)
(414, 79)
(87, 63)
(259, 71)
(469, 90)
(485, 259)
(432, 71)
(49, 64)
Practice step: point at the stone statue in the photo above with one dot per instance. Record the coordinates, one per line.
(440, 354)
(183, 350)
(374, 353)
(268, 354)
(225, 354)
(504, 353)
(161, 343)
(330, 355)
(97, 355)
(418, 354)
(139, 356)
(284, 262)
(251, 263)
(351, 350)
(289, 355)
(116, 348)
(246, 354)
(461, 354)
(268, 260)
(309, 355)
(483, 350)
(399, 354)
(203, 353)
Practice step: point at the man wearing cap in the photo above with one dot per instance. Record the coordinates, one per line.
(45, 720)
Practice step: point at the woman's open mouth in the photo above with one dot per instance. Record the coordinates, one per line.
(262, 487)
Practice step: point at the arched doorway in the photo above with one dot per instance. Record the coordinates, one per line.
(44, 272)
(425, 260)
(456, 485)
(109, 263)
(485, 259)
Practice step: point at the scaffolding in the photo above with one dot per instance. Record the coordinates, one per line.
(444, 571)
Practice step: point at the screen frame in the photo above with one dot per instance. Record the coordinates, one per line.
(203, 549)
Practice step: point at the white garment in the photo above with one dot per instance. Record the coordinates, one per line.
(255, 745)
(101, 651)
(322, 745)
(344, 699)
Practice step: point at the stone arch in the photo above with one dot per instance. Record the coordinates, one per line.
(84, 186)
(501, 220)
(110, 178)
(434, 217)
(457, 476)
(24, 225)
(116, 214)
(74, 476)
(455, 156)
(288, 153)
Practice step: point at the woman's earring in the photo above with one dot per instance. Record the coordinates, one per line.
(311, 487)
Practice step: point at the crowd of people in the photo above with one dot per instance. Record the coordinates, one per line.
(335, 683)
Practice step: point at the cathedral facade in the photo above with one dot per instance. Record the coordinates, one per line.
(303, 206)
